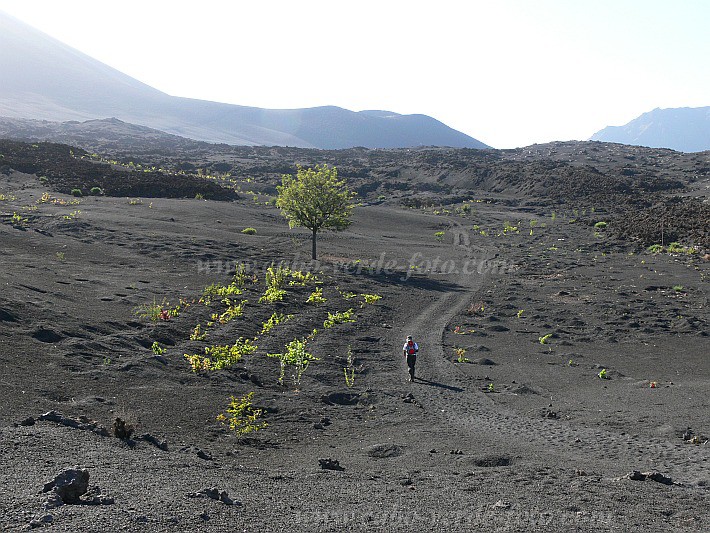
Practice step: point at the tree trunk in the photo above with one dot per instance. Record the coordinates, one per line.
(315, 232)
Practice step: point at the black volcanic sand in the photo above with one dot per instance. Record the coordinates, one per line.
(523, 437)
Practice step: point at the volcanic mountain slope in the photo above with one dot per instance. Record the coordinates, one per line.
(45, 79)
(509, 425)
(656, 196)
(685, 129)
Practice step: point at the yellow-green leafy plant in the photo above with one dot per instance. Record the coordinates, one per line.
(347, 294)
(370, 299)
(439, 235)
(241, 416)
(603, 374)
(73, 215)
(339, 317)
(17, 219)
(218, 357)
(275, 280)
(217, 289)
(197, 334)
(157, 348)
(154, 311)
(316, 297)
(461, 355)
(545, 338)
(296, 356)
(249, 231)
(350, 369)
(274, 320)
(301, 279)
(233, 310)
(520, 313)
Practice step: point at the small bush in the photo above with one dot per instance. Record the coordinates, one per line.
(316, 297)
(96, 191)
(249, 231)
(241, 416)
(600, 225)
(76, 192)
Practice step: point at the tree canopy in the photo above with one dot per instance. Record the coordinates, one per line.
(315, 199)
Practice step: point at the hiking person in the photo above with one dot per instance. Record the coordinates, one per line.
(410, 350)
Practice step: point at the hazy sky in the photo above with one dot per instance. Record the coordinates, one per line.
(507, 72)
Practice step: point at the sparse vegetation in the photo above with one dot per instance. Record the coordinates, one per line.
(249, 231)
(221, 356)
(370, 299)
(274, 320)
(338, 318)
(197, 334)
(439, 235)
(296, 356)
(241, 416)
(461, 355)
(545, 338)
(349, 370)
(603, 374)
(77, 192)
(316, 297)
(157, 349)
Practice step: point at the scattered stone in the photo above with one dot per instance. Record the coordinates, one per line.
(383, 451)
(456, 452)
(409, 398)
(155, 441)
(42, 521)
(492, 461)
(70, 485)
(549, 414)
(330, 464)
(501, 505)
(341, 398)
(29, 421)
(433, 450)
(122, 429)
(204, 455)
(651, 476)
(214, 494)
(82, 422)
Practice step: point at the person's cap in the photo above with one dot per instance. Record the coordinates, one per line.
(409, 337)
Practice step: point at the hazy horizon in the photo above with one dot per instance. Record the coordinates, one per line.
(509, 74)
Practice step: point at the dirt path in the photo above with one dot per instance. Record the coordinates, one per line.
(457, 403)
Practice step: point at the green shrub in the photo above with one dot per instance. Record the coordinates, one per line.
(316, 297)
(77, 192)
(249, 231)
(338, 318)
(96, 191)
(601, 225)
(655, 249)
(241, 416)
(296, 356)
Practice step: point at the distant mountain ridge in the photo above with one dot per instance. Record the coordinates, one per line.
(45, 79)
(685, 129)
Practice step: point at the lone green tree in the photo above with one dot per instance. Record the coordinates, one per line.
(315, 199)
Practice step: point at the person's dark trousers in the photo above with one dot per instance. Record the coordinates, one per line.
(411, 362)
